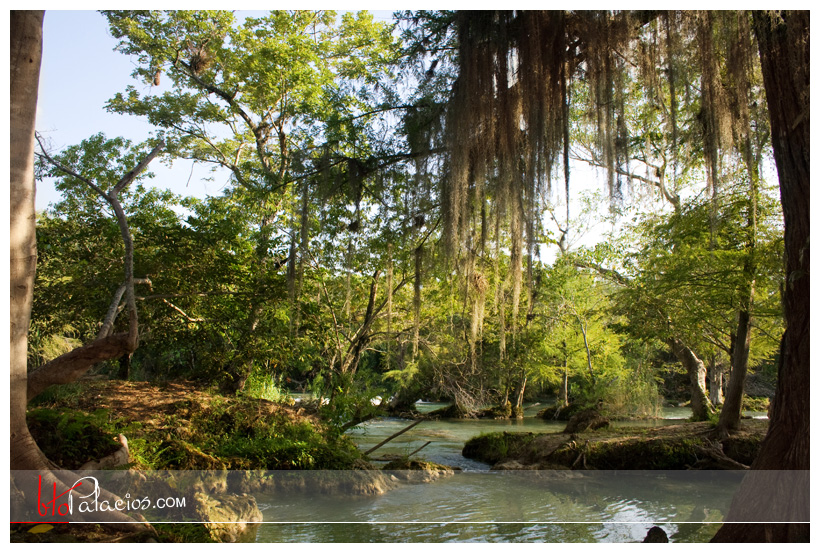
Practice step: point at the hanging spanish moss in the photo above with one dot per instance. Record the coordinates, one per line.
(604, 37)
(509, 120)
(504, 126)
(502, 327)
(672, 46)
(714, 116)
(478, 289)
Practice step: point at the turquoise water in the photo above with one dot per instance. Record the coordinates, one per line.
(516, 506)
(479, 505)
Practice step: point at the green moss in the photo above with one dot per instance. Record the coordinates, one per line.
(64, 395)
(222, 433)
(755, 403)
(494, 447)
(183, 533)
(636, 454)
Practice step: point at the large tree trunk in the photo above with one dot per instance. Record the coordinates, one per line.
(784, 51)
(701, 406)
(26, 456)
(715, 375)
(518, 409)
(26, 52)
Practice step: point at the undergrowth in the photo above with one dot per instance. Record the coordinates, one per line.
(71, 438)
(222, 433)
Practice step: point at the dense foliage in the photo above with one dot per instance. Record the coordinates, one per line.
(394, 224)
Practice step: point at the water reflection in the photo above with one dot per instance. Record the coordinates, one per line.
(591, 506)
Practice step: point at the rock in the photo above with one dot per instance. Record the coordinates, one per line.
(511, 465)
(230, 518)
(589, 419)
(332, 482)
(496, 412)
(118, 458)
(656, 535)
(559, 412)
(451, 412)
(417, 472)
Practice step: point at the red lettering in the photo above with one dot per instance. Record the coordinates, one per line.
(55, 509)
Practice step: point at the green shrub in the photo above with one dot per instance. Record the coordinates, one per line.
(72, 438)
(264, 386)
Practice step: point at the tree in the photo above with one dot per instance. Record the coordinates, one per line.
(107, 345)
(783, 40)
(498, 111)
(278, 101)
(26, 52)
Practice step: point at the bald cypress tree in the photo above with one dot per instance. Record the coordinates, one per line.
(777, 488)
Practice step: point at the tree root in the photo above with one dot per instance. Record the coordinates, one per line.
(716, 458)
(116, 459)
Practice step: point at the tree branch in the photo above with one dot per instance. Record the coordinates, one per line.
(70, 366)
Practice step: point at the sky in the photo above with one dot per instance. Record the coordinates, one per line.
(80, 72)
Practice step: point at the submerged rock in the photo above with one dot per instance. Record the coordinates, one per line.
(656, 535)
(559, 412)
(417, 472)
(230, 518)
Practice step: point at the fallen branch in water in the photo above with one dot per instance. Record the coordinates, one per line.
(396, 435)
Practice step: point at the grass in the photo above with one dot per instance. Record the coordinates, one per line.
(496, 446)
(203, 431)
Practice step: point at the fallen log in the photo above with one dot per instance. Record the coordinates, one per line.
(419, 449)
(389, 438)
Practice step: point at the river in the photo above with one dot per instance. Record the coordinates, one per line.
(479, 505)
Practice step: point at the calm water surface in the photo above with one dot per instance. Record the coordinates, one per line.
(478, 505)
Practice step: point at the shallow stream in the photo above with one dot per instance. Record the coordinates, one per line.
(479, 505)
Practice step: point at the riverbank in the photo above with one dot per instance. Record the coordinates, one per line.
(675, 447)
(177, 426)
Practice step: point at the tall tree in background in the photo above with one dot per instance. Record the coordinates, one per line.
(275, 100)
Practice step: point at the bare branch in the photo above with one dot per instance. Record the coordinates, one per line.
(115, 308)
(132, 174)
(181, 312)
